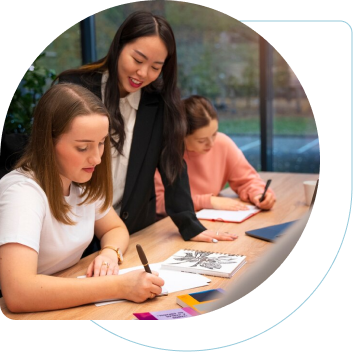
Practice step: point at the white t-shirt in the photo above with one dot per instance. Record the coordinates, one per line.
(25, 218)
(128, 108)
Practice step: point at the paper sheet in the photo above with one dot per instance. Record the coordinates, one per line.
(173, 280)
(227, 215)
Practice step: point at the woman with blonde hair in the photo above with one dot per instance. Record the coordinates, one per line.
(52, 204)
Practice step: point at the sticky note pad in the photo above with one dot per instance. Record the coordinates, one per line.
(171, 314)
(200, 301)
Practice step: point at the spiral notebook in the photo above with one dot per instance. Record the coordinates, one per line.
(207, 263)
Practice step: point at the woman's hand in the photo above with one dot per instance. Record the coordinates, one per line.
(138, 286)
(267, 203)
(213, 236)
(223, 203)
(103, 265)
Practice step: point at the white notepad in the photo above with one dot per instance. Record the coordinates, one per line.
(227, 215)
(173, 281)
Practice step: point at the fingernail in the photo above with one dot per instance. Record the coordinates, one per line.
(214, 240)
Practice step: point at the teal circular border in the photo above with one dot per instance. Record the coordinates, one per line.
(164, 349)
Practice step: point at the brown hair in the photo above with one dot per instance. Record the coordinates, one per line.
(199, 112)
(52, 117)
(144, 24)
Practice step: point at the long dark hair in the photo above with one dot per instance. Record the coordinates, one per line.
(144, 24)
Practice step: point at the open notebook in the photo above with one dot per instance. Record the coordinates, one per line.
(227, 215)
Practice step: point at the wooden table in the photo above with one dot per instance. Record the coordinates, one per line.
(161, 240)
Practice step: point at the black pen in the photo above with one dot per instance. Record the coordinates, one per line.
(144, 262)
(143, 259)
(266, 187)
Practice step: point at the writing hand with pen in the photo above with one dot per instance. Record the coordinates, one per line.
(142, 284)
(139, 285)
(266, 200)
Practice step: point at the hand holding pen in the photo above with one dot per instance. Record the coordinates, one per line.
(147, 268)
(266, 200)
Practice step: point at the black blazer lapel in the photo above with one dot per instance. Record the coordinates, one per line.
(145, 118)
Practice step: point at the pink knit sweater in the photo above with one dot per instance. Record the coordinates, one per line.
(208, 174)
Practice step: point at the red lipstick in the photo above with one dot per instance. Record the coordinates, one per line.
(133, 84)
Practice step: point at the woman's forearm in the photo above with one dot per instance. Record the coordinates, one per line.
(41, 292)
(117, 238)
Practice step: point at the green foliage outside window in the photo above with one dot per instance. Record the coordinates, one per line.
(19, 117)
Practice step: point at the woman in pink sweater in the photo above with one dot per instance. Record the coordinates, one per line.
(213, 159)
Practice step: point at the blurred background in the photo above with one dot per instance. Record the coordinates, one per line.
(260, 101)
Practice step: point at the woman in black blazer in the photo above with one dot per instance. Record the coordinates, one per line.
(141, 63)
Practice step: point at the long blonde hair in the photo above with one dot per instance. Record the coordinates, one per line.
(52, 117)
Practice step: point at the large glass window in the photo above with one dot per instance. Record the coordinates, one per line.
(311, 109)
(64, 52)
(218, 57)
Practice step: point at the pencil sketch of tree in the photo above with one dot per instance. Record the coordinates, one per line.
(204, 260)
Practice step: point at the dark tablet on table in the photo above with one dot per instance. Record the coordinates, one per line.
(270, 233)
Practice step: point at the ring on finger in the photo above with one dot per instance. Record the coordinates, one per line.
(152, 295)
(105, 263)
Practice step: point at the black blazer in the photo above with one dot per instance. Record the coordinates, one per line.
(138, 209)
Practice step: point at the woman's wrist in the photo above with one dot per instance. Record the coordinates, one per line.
(212, 200)
(110, 254)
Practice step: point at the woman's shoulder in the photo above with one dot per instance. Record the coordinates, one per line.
(151, 95)
(89, 80)
(21, 182)
(224, 140)
(85, 79)
(226, 146)
(19, 176)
